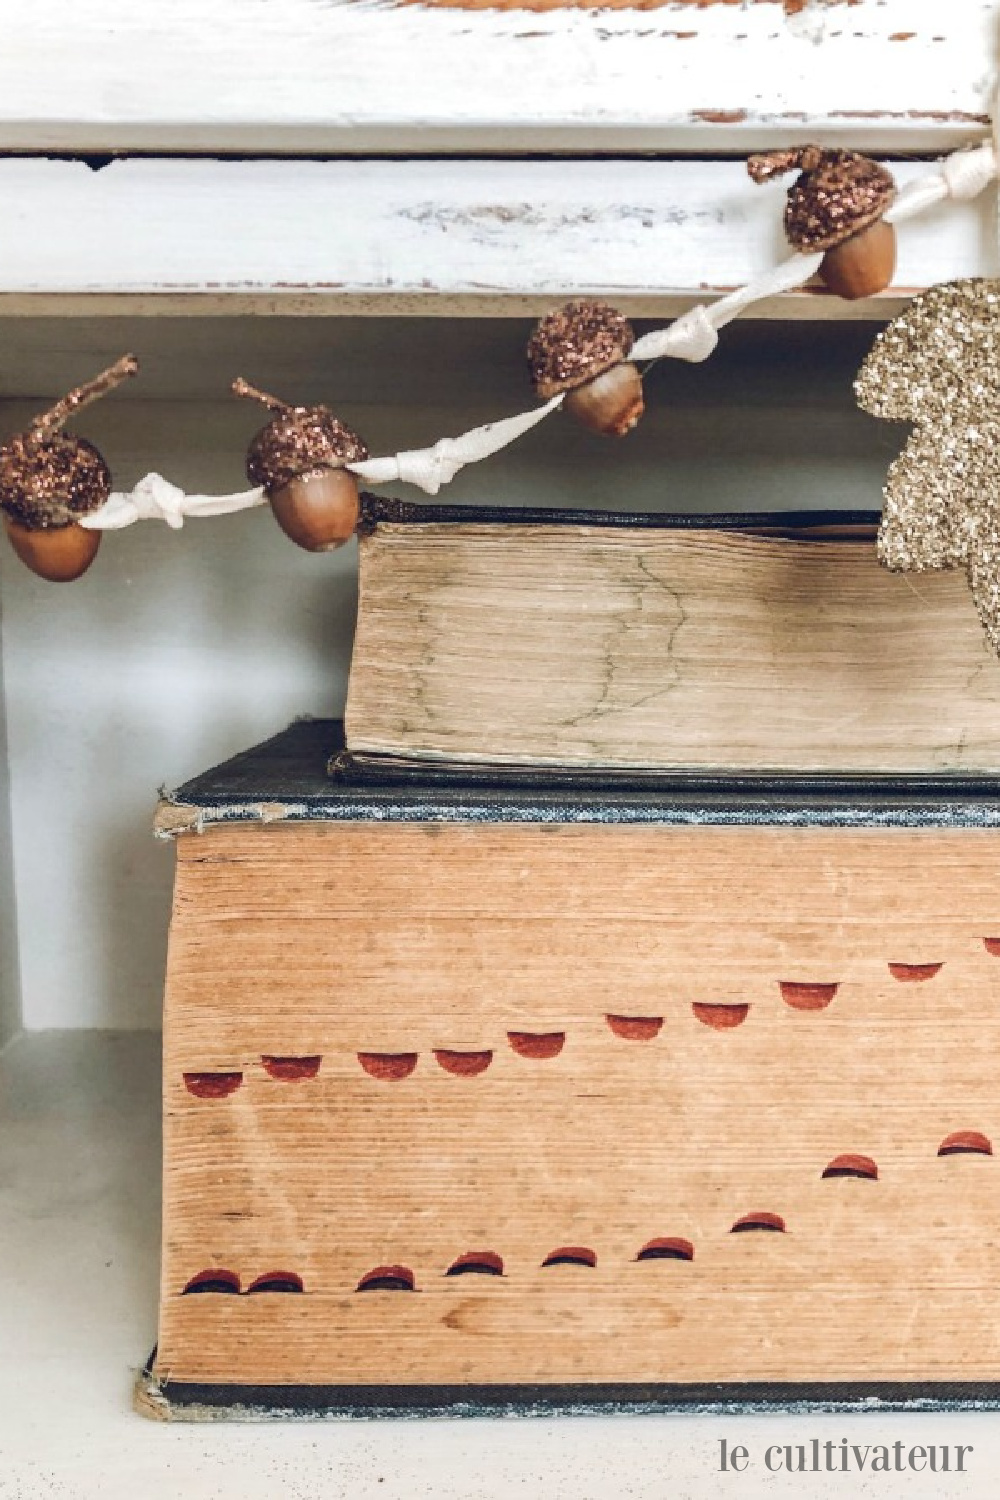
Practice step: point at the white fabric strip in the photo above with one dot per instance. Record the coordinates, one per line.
(430, 468)
(692, 337)
(961, 176)
(156, 499)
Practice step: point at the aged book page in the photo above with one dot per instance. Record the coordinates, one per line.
(450, 1104)
(627, 648)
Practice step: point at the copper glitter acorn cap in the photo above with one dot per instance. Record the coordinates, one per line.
(48, 482)
(839, 193)
(298, 440)
(49, 478)
(575, 344)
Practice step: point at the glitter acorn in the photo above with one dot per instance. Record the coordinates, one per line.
(837, 205)
(49, 479)
(298, 459)
(583, 349)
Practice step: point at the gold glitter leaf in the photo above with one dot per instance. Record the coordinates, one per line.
(938, 366)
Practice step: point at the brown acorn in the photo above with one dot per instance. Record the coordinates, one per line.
(837, 205)
(583, 349)
(49, 479)
(298, 460)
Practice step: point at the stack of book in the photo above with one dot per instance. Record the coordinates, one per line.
(617, 1023)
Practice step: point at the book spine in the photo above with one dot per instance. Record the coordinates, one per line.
(811, 525)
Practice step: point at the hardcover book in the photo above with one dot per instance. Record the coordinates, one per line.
(481, 1099)
(526, 641)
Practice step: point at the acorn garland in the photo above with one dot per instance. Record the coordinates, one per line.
(581, 355)
(50, 479)
(837, 204)
(298, 459)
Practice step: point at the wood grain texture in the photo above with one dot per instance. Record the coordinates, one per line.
(585, 646)
(345, 76)
(325, 940)
(436, 238)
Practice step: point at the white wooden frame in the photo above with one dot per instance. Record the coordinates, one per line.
(437, 237)
(364, 76)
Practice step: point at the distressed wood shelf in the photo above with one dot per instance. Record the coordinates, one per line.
(355, 77)
(435, 237)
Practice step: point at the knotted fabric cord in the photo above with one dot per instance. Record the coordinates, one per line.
(692, 337)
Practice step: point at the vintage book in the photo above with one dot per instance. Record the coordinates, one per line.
(527, 640)
(480, 1099)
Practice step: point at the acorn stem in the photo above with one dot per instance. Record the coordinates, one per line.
(50, 421)
(241, 387)
(767, 164)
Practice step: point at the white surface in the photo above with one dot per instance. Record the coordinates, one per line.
(179, 649)
(431, 237)
(350, 76)
(79, 1180)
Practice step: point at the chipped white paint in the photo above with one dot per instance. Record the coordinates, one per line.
(355, 76)
(432, 237)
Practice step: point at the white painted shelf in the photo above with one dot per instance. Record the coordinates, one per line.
(362, 76)
(437, 237)
(79, 1233)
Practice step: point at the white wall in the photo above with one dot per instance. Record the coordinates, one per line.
(177, 650)
(10, 984)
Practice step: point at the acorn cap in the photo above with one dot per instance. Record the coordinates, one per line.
(298, 440)
(49, 478)
(576, 343)
(838, 194)
(51, 481)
